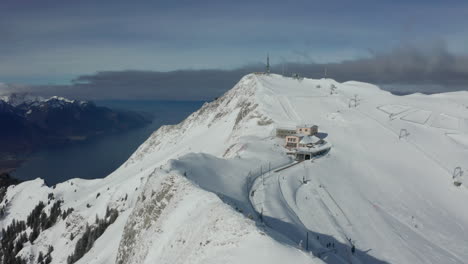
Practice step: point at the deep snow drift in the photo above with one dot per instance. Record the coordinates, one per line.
(206, 190)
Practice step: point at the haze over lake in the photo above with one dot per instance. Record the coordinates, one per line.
(98, 157)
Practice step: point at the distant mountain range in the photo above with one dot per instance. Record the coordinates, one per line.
(29, 122)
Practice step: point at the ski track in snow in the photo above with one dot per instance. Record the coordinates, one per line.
(398, 226)
(339, 213)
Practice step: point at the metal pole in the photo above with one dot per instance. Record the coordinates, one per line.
(269, 168)
(261, 215)
(248, 184)
(263, 178)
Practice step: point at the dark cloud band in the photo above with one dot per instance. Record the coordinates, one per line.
(403, 70)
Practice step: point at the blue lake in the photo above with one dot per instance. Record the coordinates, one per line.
(98, 157)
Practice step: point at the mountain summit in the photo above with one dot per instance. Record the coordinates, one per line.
(220, 187)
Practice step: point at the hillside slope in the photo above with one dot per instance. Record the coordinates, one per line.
(185, 196)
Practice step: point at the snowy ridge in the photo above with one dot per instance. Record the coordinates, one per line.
(16, 99)
(228, 117)
(184, 196)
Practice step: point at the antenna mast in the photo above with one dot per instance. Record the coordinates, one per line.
(268, 64)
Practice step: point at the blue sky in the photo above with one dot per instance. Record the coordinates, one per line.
(50, 41)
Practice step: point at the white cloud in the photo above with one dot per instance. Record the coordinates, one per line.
(13, 88)
(3, 88)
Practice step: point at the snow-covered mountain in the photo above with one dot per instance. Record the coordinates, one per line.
(28, 100)
(30, 123)
(16, 99)
(208, 189)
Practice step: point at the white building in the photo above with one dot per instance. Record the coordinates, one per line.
(303, 142)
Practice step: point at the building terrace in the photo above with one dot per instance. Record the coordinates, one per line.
(303, 142)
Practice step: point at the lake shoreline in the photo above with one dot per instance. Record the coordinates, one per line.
(13, 161)
(98, 156)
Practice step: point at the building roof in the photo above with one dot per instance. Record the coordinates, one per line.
(306, 126)
(309, 140)
(285, 128)
(316, 149)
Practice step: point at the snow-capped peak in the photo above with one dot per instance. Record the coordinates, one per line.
(17, 99)
(59, 98)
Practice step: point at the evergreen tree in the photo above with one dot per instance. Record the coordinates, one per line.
(48, 259)
(40, 258)
(50, 249)
(43, 220)
(34, 234)
(91, 234)
(18, 246)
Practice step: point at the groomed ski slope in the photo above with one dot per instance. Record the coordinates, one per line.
(393, 198)
(185, 195)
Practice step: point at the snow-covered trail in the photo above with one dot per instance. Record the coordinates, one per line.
(274, 203)
(288, 108)
(294, 208)
(402, 228)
